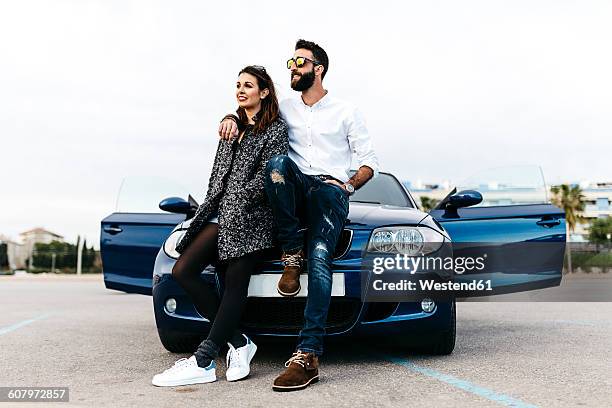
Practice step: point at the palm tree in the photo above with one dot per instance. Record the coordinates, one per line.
(428, 203)
(571, 200)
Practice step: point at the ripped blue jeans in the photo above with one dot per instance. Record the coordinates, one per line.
(299, 200)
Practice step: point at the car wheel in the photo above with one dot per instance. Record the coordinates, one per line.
(179, 342)
(443, 343)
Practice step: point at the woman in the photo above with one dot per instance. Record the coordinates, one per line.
(233, 225)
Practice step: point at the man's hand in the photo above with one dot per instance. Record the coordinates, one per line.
(363, 174)
(332, 181)
(228, 129)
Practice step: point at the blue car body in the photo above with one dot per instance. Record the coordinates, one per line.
(134, 261)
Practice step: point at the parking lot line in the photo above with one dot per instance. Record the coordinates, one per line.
(581, 322)
(15, 326)
(462, 384)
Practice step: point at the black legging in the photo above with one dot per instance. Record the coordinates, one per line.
(225, 314)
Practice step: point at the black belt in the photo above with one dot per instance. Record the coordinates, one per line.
(325, 177)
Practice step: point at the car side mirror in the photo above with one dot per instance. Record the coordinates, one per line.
(464, 198)
(177, 205)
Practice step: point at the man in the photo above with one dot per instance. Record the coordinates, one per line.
(310, 187)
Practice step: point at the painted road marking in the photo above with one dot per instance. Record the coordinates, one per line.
(582, 322)
(13, 327)
(462, 384)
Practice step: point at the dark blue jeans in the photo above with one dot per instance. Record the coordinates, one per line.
(299, 201)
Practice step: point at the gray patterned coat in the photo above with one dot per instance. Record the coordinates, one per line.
(236, 192)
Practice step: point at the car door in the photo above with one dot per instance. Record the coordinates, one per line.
(129, 243)
(132, 235)
(521, 235)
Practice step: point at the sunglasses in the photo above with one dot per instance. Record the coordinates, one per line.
(299, 62)
(258, 68)
(259, 72)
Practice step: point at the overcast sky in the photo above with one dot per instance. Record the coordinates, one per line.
(95, 91)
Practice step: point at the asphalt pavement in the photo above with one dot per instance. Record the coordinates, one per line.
(71, 332)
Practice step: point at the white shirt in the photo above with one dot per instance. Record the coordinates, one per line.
(325, 137)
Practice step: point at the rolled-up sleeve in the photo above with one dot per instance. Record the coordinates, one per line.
(360, 141)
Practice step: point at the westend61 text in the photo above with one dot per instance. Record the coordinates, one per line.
(430, 285)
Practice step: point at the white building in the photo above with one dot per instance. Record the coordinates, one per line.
(16, 254)
(598, 198)
(37, 236)
(598, 204)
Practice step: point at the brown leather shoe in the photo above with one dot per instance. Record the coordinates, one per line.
(302, 370)
(289, 283)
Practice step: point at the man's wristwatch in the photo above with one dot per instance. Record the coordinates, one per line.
(349, 187)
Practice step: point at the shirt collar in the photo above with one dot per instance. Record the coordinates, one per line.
(320, 103)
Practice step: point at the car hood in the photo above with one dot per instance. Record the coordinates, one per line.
(375, 215)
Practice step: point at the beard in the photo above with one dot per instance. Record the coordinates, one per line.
(304, 82)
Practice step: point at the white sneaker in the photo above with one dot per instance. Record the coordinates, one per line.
(239, 359)
(184, 372)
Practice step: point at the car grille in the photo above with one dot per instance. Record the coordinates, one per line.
(286, 315)
(342, 247)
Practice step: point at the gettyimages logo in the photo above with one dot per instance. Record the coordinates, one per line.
(412, 264)
(446, 270)
(401, 277)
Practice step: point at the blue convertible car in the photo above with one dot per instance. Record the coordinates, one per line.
(138, 254)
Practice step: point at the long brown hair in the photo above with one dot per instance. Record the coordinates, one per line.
(269, 105)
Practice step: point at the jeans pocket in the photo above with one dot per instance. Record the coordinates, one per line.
(343, 202)
(341, 190)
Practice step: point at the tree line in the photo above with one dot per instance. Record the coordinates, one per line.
(65, 257)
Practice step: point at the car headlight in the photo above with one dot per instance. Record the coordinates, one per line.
(411, 241)
(172, 241)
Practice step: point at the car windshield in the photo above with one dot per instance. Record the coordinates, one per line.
(142, 194)
(384, 189)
